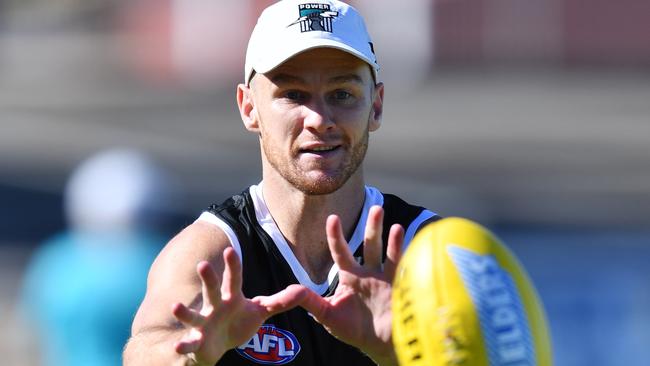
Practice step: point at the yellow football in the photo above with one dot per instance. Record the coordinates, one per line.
(460, 297)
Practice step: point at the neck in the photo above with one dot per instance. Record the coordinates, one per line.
(301, 218)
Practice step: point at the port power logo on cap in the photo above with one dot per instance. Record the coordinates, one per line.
(315, 17)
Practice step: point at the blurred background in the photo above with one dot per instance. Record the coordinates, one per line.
(530, 117)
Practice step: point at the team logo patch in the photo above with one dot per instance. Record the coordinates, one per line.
(270, 346)
(503, 320)
(315, 17)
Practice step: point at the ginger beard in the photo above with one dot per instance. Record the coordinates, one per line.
(317, 179)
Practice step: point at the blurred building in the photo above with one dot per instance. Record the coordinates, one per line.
(542, 32)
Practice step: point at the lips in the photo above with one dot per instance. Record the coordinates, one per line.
(318, 148)
(321, 149)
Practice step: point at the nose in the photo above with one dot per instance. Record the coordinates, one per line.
(318, 116)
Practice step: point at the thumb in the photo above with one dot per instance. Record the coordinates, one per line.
(284, 300)
(316, 305)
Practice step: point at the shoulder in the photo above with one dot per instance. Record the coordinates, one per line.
(235, 211)
(199, 241)
(411, 217)
(173, 278)
(401, 210)
(393, 202)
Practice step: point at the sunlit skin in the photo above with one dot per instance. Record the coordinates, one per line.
(322, 99)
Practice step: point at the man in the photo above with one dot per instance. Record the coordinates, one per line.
(296, 285)
(115, 204)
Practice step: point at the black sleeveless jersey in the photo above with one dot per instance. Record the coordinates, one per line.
(269, 266)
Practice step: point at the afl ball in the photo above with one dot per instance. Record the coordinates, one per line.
(460, 297)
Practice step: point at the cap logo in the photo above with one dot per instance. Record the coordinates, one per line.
(315, 17)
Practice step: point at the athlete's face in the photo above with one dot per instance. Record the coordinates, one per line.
(313, 114)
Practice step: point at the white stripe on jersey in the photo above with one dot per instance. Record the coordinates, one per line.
(413, 227)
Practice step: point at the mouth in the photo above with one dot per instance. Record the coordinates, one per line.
(320, 150)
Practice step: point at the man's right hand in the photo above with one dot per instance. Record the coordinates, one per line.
(226, 319)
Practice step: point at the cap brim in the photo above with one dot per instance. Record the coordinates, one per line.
(268, 63)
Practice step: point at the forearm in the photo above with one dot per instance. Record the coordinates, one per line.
(385, 358)
(151, 348)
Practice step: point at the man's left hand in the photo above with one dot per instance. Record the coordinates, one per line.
(359, 312)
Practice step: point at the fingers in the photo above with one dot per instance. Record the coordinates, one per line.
(372, 245)
(316, 305)
(210, 284)
(187, 316)
(338, 245)
(284, 300)
(394, 250)
(190, 343)
(232, 274)
(185, 347)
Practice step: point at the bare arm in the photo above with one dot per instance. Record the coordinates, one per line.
(172, 279)
(217, 318)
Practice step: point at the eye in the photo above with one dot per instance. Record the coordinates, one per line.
(295, 95)
(342, 95)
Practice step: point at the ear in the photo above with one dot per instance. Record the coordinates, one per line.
(247, 109)
(377, 111)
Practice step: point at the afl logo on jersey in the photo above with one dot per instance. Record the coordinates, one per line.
(270, 346)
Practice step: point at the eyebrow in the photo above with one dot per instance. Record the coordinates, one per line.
(284, 78)
(354, 78)
(287, 79)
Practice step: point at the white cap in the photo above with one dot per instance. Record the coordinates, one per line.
(289, 27)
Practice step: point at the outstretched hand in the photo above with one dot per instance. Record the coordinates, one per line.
(227, 319)
(359, 312)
